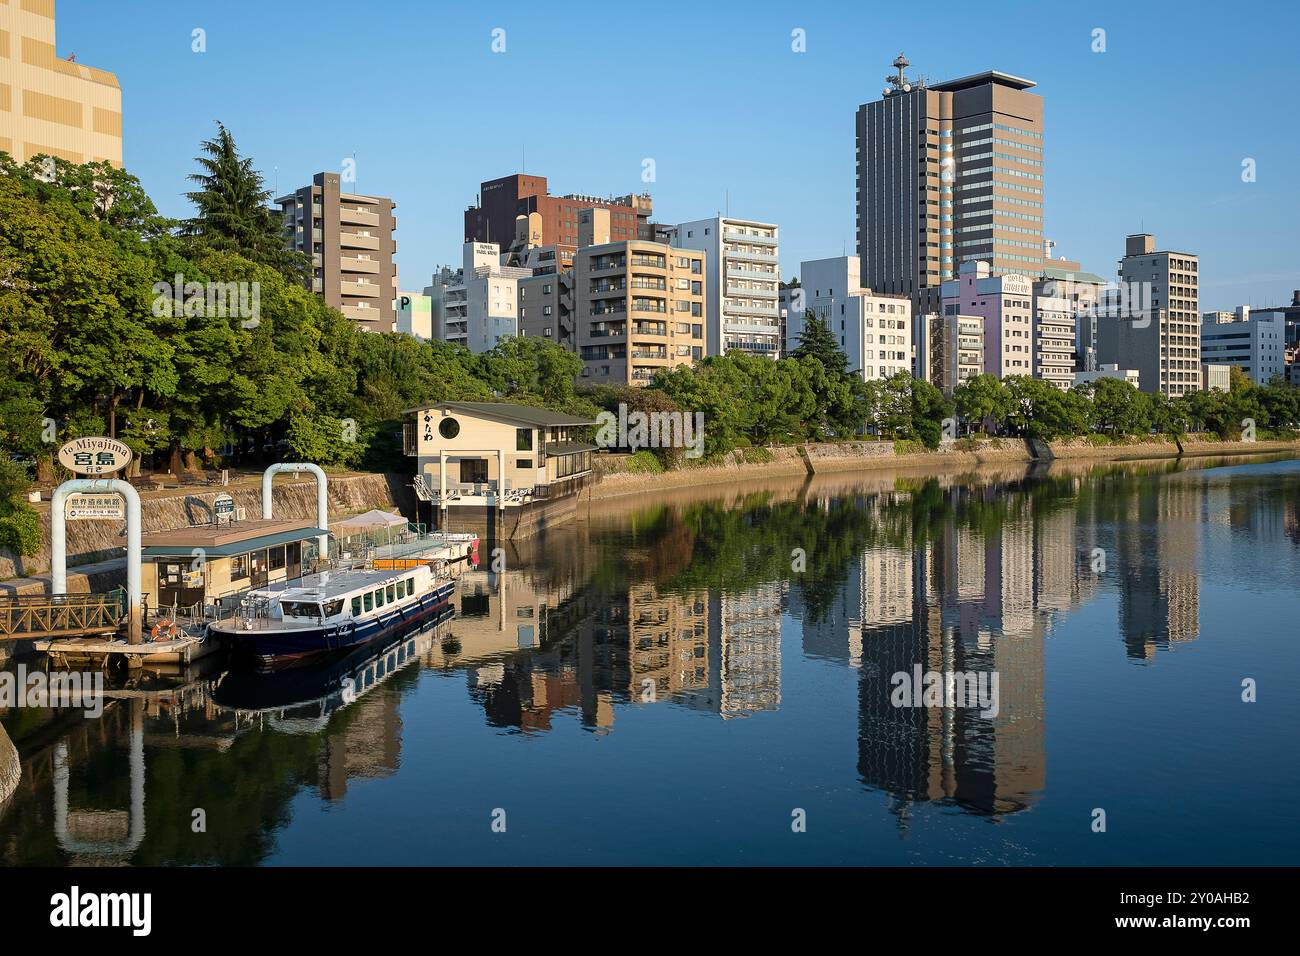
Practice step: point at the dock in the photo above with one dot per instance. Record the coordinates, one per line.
(183, 649)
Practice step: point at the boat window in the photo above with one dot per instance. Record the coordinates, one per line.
(300, 609)
(370, 602)
(333, 607)
(392, 593)
(410, 586)
(356, 606)
(379, 598)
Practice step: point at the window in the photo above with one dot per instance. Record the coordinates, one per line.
(370, 601)
(474, 470)
(239, 567)
(524, 463)
(276, 559)
(392, 593)
(449, 428)
(379, 597)
(410, 585)
(523, 439)
(333, 607)
(356, 606)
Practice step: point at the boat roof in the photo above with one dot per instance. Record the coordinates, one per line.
(338, 584)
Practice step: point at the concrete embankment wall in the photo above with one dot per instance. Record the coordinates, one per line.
(843, 457)
(91, 541)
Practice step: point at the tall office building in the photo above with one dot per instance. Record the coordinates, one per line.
(947, 174)
(744, 282)
(639, 307)
(349, 238)
(52, 106)
(1152, 322)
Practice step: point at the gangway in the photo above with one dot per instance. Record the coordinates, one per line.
(60, 615)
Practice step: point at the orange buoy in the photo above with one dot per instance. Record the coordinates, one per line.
(163, 631)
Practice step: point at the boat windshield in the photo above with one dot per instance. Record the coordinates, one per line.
(300, 608)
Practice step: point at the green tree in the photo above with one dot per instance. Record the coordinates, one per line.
(816, 340)
(232, 211)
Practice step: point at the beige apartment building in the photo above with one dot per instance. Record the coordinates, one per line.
(49, 105)
(639, 307)
(349, 238)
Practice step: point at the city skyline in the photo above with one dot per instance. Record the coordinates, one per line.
(801, 168)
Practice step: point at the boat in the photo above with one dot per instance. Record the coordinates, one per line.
(332, 612)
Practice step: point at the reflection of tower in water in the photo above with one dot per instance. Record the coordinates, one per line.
(972, 610)
(1159, 595)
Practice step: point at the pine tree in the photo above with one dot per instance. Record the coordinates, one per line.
(818, 341)
(233, 212)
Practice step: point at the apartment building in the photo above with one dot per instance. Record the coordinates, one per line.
(1006, 304)
(546, 303)
(1053, 337)
(476, 305)
(519, 210)
(873, 329)
(50, 105)
(948, 174)
(349, 238)
(639, 307)
(1152, 321)
(1081, 292)
(744, 282)
(949, 349)
(1256, 344)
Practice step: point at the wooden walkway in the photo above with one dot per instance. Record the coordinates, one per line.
(61, 615)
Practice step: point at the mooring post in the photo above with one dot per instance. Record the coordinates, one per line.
(322, 499)
(59, 543)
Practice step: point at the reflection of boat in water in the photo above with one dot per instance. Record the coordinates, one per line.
(302, 699)
(333, 612)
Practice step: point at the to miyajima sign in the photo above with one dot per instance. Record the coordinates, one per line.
(101, 507)
(94, 456)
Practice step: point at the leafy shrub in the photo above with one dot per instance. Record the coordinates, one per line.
(643, 463)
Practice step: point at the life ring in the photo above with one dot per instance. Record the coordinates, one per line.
(163, 631)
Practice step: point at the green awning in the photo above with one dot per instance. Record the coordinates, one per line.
(237, 547)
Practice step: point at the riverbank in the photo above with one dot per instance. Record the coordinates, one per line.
(802, 461)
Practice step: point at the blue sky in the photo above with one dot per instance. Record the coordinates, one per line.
(1148, 136)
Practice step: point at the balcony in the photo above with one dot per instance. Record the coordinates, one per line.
(350, 240)
(650, 262)
(366, 266)
(740, 272)
(351, 216)
(736, 235)
(749, 257)
(649, 328)
(752, 293)
(365, 290)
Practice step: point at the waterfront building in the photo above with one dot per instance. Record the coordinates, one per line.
(743, 283)
(948, 174)
(874, 330)
(1130, 375)
(1254, 343)
(50, 105)
(1152, 320)
(639, 307)
(349, 240)
(1006, 305)
(949, 349)
(546, 303)
(497, 465)
(1081, 291)
(548, 220)
(414, 312)
(1290, 315)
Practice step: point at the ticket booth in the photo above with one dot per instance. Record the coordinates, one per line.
(213, 565)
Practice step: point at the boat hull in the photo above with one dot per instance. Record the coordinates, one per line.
(269, 647)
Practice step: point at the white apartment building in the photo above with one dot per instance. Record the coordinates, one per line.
(1253, 343)
(874, 329)
(1054, 339)
(743, 266)
(477, 305)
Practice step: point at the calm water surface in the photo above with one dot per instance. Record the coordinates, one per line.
(678, 680)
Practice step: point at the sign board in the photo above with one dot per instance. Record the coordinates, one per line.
(94, 456)
(223, 506)
(101, 507)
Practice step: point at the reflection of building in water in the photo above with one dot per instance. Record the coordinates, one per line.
(969, 605)
(749, 632)
(362, 743)
(1159, 595)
